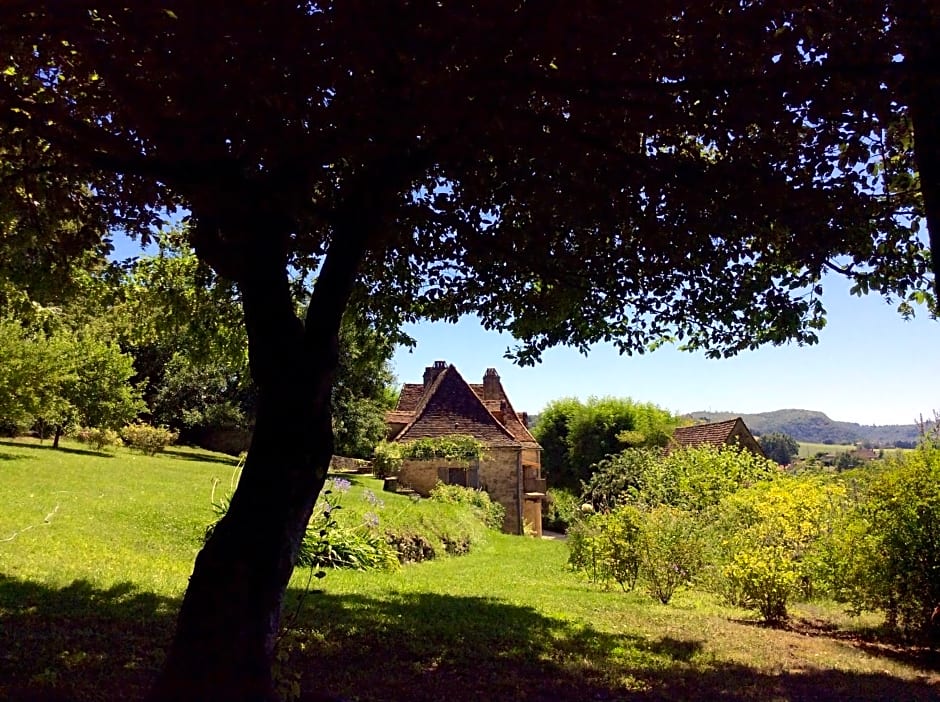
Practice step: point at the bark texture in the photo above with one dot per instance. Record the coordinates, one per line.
(924, 90)
(230, 615)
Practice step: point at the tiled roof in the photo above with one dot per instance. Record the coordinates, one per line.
(450, 406)
(410, 397)
(398, 417)
(509, 419)
(705, 434)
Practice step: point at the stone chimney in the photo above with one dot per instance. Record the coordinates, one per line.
(491, 384)
(431, 372)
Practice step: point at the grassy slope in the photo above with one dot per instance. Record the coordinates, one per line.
(87, 603)
(808, 450)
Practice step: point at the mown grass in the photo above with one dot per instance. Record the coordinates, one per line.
(809, 450)
(87, 603)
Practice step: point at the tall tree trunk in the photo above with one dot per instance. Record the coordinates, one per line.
(924, 89)
(58, 435)
(230, 615)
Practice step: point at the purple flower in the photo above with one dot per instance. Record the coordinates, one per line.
(371, 520)
(341, 485)
(372, 499)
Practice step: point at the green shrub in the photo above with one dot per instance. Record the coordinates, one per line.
(352, 527)
(616, 479)
(150, 440)
(671, 550)
(887, 555)
(452, 447)
(770, 543)
(697, 479)
(97, 438)
(560, 510)
(386, 459)
(491, 513)
(606, 546)
(328, 543)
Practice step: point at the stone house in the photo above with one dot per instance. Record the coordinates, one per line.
(444, 403)
(732, 432)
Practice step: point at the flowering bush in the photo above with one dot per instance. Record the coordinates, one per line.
(98, 438)
(606, 546)
(150, 440)
(328, 544)
(671, 550)
(771, 536)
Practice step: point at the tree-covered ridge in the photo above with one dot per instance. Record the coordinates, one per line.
(816, 427)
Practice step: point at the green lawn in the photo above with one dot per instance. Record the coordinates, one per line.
(808, 450)
(88, 596)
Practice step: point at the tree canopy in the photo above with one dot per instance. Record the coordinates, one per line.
(627, 172)
(575, 436)
(692, 184)
(779, 447)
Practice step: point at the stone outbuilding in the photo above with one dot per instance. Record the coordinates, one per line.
(733, 432)
(510, 470)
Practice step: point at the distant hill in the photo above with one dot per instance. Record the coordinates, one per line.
(816, 427)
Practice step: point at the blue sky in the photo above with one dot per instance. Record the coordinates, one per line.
(870, 366)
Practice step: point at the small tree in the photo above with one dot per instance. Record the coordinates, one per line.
(671, 550)
(100, 391)
(888, 555)
(768, 536)
(779, 447)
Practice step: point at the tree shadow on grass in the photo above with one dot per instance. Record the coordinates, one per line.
(880, 641)
(80, 642)
(61, 449)
(202, 456)
(430, 647)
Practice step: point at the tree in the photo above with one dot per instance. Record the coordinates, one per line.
(552, 430)
(576, 436)
(33, 370)
(184, 323)
(779, 447)
(615, 171)
(360, 393)
(64, 377)
(99, 393)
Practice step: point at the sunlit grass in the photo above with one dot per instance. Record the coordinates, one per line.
(88, 599)
(103, 516)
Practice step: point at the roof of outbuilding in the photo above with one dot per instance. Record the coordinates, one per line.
(716, 434)
(409, 397)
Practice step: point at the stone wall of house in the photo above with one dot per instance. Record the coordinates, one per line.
(532, 515)
(531, 457)
(422, 476)
(498, 474)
